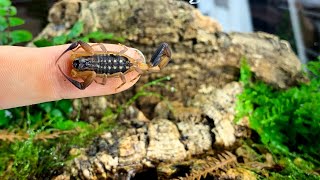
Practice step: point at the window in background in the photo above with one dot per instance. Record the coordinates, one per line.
(297, 21)
(233, 15)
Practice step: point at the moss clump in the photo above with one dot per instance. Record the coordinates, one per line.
(287, 121)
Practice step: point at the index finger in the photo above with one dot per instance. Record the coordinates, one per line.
(30, 76)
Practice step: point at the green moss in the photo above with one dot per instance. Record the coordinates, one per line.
(32, 158)
(295, 170)
(287, 121)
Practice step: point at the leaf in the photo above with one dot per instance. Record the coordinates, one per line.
(47, 106)
(43, 43)
(4, 119)
(65, 105)
(3, 24)
(14, 21)
(5, 3)
(314, 68)
(100, 36)
(19, 36)
(37, 117)
(68, 125)
(8, 11)
(84, 39)
(245, 73)
(75, 31)
(3, 38)
(55, 113)
(58, 40)
(119, 39)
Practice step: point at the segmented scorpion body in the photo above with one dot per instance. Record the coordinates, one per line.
(102, 64)
(90, 64)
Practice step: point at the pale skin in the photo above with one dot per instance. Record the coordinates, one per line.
(30, 76)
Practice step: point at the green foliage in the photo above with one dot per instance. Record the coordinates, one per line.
(74, 34)
(49, 114)
(31, 159)
(144, 92)
(23, 150)
(99, 36)
(7, 21)
(294, 169)
(277, 167)
(287, 121)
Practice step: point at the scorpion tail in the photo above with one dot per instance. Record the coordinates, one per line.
(161, 56)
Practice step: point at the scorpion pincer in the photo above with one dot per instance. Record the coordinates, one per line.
(90, 64)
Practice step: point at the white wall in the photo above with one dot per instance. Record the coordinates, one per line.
(233, 15)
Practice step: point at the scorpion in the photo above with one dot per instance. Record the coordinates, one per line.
(90, 64)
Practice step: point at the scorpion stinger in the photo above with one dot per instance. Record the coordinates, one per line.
(161, 56)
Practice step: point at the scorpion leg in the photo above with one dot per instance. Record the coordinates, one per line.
(161, 56)
(74, 45)
(138, 70)
(102, 47)
(104, 79)
(123, 79)
(142, 58)
(121, 76)
(87, 76)
(125, 49)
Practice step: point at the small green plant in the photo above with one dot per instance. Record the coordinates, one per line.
(144, 92)
(45, 115)
(287, 121)
(33, 159)
(74, 34)
(7, 21)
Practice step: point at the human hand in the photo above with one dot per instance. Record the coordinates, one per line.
(30, 76)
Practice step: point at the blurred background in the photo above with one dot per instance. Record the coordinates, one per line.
(297, 21)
